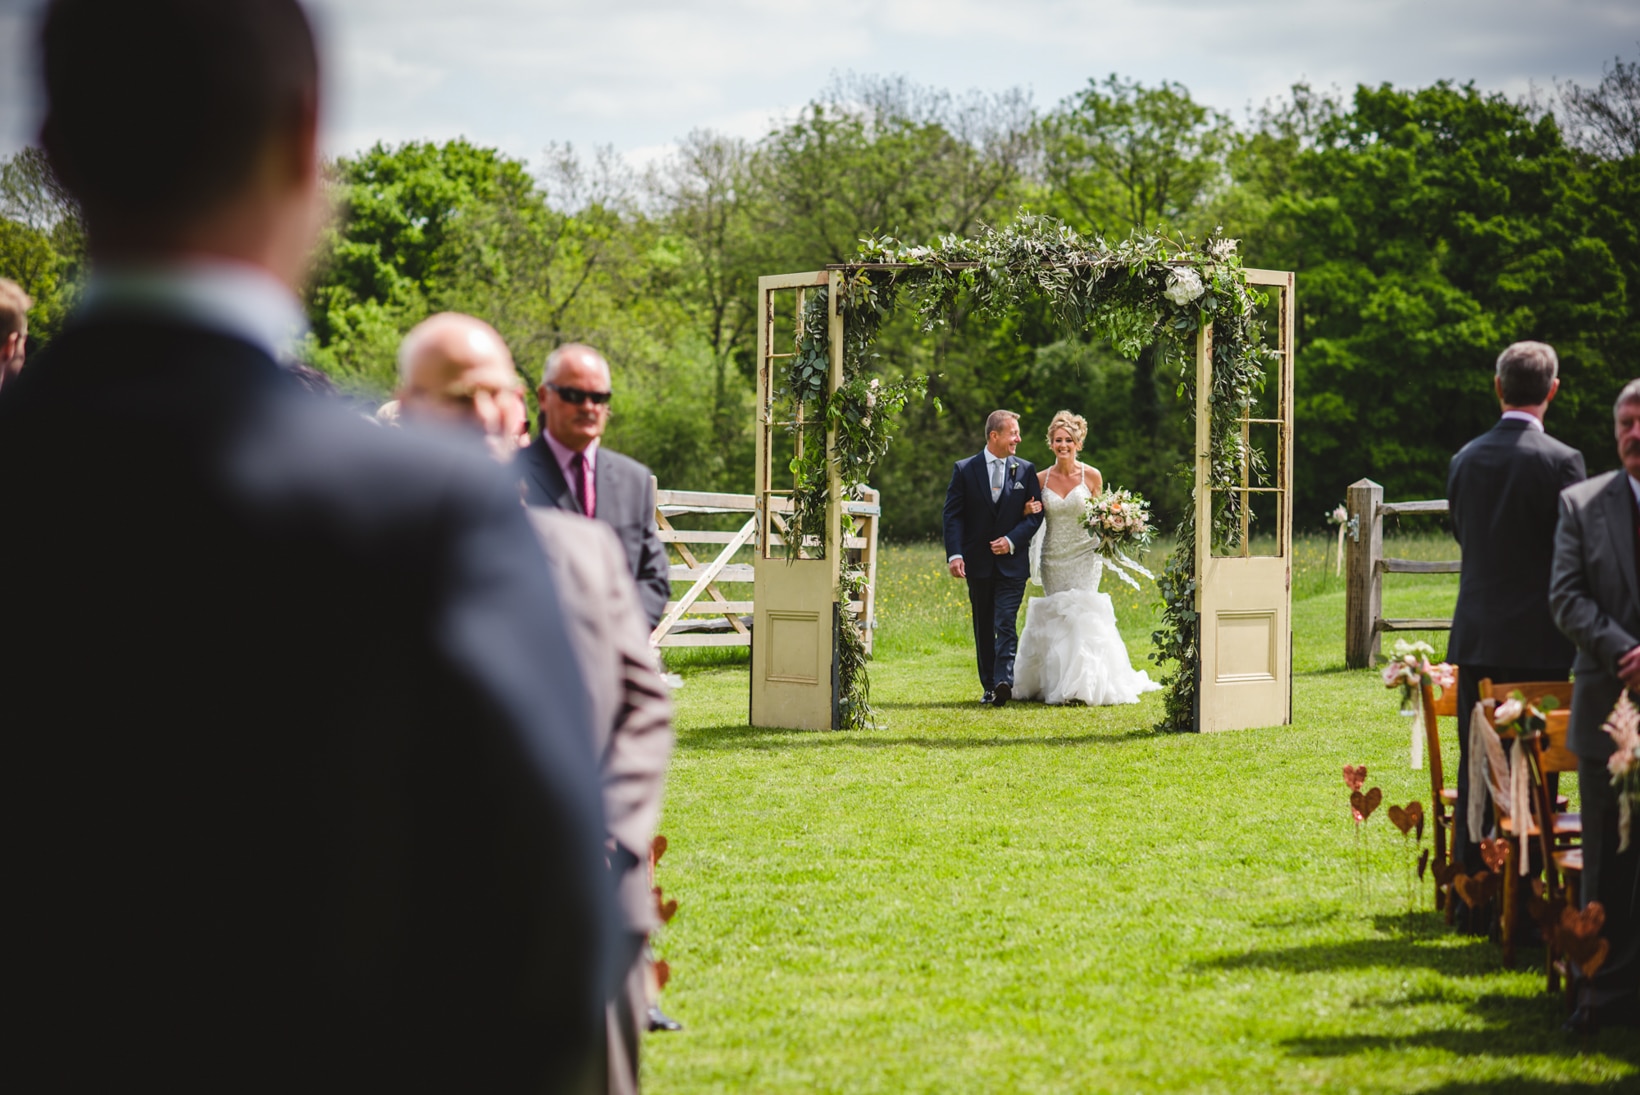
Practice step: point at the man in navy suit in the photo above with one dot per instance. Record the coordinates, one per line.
(299, 784)
(987, 532)
(1504, 489)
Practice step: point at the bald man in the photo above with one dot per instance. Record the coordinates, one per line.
(14, 306)
(456, 369)
(567, 468)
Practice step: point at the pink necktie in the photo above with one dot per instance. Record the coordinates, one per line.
(583, 482)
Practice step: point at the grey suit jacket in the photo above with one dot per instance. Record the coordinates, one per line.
(626, 502)
(631, 707)
(1595, 597)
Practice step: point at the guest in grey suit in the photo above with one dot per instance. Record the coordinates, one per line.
(1595, 596)
(568, 468)
(455, 370)
(1504, 487)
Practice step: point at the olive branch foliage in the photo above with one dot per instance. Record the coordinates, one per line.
(1134, 294)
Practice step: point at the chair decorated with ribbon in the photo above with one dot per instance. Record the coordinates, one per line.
(1516, 714)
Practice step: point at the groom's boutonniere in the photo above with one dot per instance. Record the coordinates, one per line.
(1013, 470)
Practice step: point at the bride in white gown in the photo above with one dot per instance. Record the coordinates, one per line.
(1070, 650)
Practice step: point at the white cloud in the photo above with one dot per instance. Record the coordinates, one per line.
(639, 74)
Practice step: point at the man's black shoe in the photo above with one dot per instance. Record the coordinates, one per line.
(1004, 693)
(1581, 1021)
(659, 1020)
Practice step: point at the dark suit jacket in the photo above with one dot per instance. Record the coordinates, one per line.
(1504, 490)
(972, 520)
(1595, 595)
(626, 502)
(631, 706)
(297, 777)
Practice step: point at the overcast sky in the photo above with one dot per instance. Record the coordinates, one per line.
(638, 74)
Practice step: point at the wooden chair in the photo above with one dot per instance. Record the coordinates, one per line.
(1443, 799)
(1507, 826)
(1561, 840)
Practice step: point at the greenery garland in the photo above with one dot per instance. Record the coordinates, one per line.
(1147, 289)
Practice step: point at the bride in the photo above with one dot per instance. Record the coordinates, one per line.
(1070, 651)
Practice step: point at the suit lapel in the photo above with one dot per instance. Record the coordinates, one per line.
(544, 470)
(1615, 508)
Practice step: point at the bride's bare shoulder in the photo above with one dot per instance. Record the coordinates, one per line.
(1090, 475)
(1042, 477)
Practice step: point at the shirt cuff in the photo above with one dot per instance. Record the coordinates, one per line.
(952, 559)
(1010, 545)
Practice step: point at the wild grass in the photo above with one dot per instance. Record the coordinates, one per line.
(1056, 899)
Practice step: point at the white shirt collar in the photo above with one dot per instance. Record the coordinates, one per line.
(1523, 416)
(1634, 485)
(232, 298)
(993, 458)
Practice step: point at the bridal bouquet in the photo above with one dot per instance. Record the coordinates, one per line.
(1623, 724)
(1119, 521)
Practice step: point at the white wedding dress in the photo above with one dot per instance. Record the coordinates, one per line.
(1070, 649)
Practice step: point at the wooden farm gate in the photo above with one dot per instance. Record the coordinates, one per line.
(1365, 567)
(704, 615)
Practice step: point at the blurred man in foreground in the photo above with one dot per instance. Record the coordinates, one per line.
(299, 790)
(14, 306)
(456, 370)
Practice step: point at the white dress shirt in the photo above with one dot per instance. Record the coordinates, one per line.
(1527, 417)
(992, 462)
(232, 298)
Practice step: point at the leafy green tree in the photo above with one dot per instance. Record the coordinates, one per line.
(1431, 228)
(1120, 155)
(42, 239)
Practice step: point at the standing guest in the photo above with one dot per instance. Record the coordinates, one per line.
(288, 807)
(1504, 492)
(1595, 596)
(457, 370)
(992, 509)
(14, 306)
(569, 469)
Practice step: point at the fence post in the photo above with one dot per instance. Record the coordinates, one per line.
(1363, 596)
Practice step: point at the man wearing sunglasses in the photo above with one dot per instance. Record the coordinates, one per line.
(567, 468)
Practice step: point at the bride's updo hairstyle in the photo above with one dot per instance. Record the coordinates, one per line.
(1075, 423)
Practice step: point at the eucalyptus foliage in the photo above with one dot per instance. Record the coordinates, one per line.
(1147, 289)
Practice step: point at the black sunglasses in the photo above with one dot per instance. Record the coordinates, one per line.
(579, 395)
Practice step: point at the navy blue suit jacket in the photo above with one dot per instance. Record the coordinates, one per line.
(972, 520)
(299, 778)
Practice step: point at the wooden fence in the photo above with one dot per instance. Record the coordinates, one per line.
(1365, 567)
(705, 615)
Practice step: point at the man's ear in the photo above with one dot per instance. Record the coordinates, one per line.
(1554, 386)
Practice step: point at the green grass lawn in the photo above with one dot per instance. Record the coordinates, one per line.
(1057, 899)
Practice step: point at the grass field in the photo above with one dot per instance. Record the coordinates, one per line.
(1042, 900)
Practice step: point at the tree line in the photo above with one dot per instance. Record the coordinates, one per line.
(1428, 227)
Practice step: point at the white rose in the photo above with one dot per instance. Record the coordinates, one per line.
(1183, 286)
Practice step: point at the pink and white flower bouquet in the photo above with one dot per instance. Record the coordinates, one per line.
(1119, 521)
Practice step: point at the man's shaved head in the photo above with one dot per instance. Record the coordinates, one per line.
(457, 368)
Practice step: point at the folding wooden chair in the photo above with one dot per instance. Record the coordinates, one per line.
(1561, 841)
(1561, 825)
(1443, 799)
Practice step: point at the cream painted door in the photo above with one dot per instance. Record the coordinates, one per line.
(1244, 580)
(794, 648)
